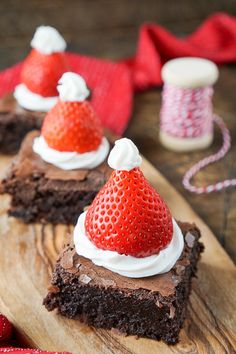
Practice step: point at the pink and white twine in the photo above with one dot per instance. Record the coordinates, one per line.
(188, 113)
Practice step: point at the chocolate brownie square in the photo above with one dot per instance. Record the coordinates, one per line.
(15, 123)
(152, 307)
(42, 192)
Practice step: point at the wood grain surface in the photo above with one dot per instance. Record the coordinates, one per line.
(27, 255)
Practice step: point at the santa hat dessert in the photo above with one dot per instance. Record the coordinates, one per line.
(41, 70)
(128, 228)
(72, 135)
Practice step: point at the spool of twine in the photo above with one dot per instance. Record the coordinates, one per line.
(187, 118)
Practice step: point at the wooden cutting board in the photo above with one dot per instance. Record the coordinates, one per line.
(27, 254)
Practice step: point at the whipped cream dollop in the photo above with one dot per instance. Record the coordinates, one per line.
(129, 266)
(71, 160)
(32, 101)
(72, 87)
(47, 40)
(124, 156)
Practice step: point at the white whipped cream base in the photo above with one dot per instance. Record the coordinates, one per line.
(129, 266)
(32, 101)
(71, 160)
(124, 156)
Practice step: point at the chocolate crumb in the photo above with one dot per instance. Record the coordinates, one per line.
(179, 269)
(190, 239)
(84, 279)
(176, 279)
(67, 259)
(118, 332)
(159, 304)
(107, 282)
(172, 312)
(75, 258)
(72, 270)
(54, 289)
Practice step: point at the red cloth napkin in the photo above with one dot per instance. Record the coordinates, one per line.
(215, 39)
(113, 84)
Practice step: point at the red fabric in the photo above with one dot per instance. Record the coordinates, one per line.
(215, 39)
(113, 84)
(12, 350)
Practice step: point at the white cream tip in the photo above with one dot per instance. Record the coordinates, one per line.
(124, 155)
(72, 88)
(47, 40)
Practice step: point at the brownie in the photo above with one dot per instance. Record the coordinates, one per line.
(152, 307)
(15, 123)
(42, 192)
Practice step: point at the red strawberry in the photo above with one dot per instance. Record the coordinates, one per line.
(27, 351)
(72, 126)
(40, 72)
(5, 328)
(128, 216)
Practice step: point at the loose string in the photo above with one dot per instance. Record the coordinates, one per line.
(187, 113)
(209, 160)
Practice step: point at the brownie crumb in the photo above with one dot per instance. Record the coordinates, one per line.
(84, 279)
(190, 239)
(172, 312)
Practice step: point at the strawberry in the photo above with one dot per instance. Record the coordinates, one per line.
(128, 216)
(27, 351)
(5, 328)
(40, 72)
(72, 126)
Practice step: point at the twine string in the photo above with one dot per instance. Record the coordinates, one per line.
(187, 113)
(209, 160)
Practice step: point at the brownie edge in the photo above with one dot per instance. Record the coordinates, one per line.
(152, 307)
(42, 192)
(15, 123)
